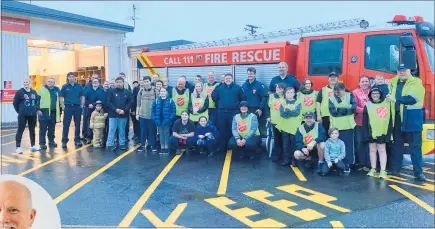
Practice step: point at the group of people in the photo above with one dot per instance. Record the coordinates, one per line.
(212, 117)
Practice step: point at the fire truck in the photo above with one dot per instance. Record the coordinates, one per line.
(351, 48)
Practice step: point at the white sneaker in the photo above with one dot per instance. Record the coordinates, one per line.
(36, 148)
(18, 150)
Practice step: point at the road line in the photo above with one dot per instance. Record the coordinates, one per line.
(170, 221)
(416, 200)
(6, 130)
(425, 170)
(336, 224)
(14, 141)
(411, 176)
(128, 219)
(430, 163)
(225, 173)
(51, 161)
(12, 134)
(92, 176)
(298, 173)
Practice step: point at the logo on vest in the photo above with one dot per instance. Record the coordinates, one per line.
(308, 101)
(180, 101)
(241, 126)
(276, 105)
(330, 93)
(381, 112)
(308, 139)
(209, 91)
(197, 105)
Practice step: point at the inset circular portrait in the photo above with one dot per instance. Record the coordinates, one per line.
(24, 204)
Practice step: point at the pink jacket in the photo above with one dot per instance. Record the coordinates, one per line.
(361, 99)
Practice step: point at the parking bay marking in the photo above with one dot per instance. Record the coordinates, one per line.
(298, 173)
(222, 190)
(416, 200)
(425, 170)
(170, 221)
(411, 176)
(401, 180)
(336, 224)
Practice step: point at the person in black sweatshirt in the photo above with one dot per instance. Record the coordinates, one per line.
(26, 104)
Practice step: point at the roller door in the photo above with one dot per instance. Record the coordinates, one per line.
(265, 73)
(191, 72)
(144, 72)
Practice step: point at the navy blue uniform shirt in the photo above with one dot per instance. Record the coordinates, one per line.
(71, 94)
(289, 81)
(228, 97)
(255, 93)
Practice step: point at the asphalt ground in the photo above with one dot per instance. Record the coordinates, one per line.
(95, 187)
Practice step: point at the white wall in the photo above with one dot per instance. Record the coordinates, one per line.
(90, 57)
(49, 64)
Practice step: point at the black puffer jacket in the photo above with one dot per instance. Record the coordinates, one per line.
(26, 102)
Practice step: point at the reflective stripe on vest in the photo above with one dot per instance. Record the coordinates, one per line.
(379, 117)
(308, 101)
(181, 101)
(343, 122)
(311, 135)
(209, 90)
(274, 105)
(290, 125)
(327, 93)
(244, 125)
(45, 102)
(198, 103)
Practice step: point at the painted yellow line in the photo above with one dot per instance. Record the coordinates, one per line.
(51, 161)
(225, 173)
(425, 170)
(170, 221)
(146, 195)
(411, 176)
(14, 141)
(416, 200)
(10, 134)
(336, 224)
(6, 130)
(430, 163)
(92, 176)
(298, 173)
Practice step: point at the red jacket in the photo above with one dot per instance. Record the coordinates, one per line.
(361, 99)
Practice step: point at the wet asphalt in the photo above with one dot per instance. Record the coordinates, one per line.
(106, 199)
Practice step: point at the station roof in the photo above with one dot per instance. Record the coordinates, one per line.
(160, 46)
(29, 10)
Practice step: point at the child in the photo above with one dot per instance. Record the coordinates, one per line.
(290, 112)
(378, 127)
(274, 103)
(97, 124)
(335, 151)
(163, 115)
(380, 83)
(206, 136)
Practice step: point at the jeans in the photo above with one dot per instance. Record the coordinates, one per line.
(177, 143)
(22, 120)
(164, 136)
(70, 112)
(47, 124)
(116, 124)
(148, 132)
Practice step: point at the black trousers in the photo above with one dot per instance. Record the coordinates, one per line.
(106, 131)
(127, 129)
(289, 146)
(326, 123)
(225, 121)
(251, 146)
(136, 126)
(261, 121)
(22, 121)
(47, 125)
(277, 137)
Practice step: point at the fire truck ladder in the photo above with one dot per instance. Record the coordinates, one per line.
(344, 24)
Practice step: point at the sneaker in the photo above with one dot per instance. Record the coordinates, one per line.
(371, 173)
(18, 150)
(346, 169)
(383, 174)
(319, 167)
(52, 145)
(111, 148)
(64, 145)
(43, 146)
(35, 148)
(178, 152)
(154, 149)
(420, 177)
(124, 147)
(78, 144)
(140, 149)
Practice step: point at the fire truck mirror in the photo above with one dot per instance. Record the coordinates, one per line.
(409, 55)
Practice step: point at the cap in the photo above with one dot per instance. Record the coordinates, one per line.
(333, 74)
(309, 114)
(244, 104)
(402, 67)
(98, 102)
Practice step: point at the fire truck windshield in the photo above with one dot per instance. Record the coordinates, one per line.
(430, 52)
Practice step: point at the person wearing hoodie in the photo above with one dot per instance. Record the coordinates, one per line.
(50, 109)
(206, 137)
(377, 128)
(361, 98)
(145, 99)
(307, 96)
(163, 115)
(119, 102)
(26, 104)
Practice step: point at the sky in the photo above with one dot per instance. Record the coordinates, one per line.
(213, 20)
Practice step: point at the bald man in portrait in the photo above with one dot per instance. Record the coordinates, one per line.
(16, 210)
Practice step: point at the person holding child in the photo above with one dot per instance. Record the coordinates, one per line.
(206, 136)
(98, 124)
(335, 152)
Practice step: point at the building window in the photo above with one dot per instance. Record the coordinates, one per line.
(382, 52)
(325, 56)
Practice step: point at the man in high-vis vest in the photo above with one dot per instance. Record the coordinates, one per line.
(246, 137)
(49, 113)
(407, 94)
(310, 137)
(322, 101)
(181, 97)
(209, 88)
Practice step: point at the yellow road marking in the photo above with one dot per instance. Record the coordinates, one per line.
(225, 173)
(316, 197)
(425, 170)
(29, 156)
(285, 205)
(401, 180)
(92, 176)
(430, 163)
(242, 214)
(416, 200)
(14, 141)
(10, 134)
(51, 161)
(298, 173)
(411, 176)
(336, 224)
(146, 195)
(170, 221)
(5, 159)
(6, 130)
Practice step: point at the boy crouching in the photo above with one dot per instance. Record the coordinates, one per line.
(97, 124)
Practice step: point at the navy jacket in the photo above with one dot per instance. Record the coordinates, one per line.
(119, 99)
(92, 96)
(228, 97)
(135, 93)
(26, 102)
(289, 81)
(168, 116)
(384, 89)
(300, 140)
(209, 128)
(256, 94)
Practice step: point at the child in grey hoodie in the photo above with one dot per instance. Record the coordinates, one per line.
(335, 151)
